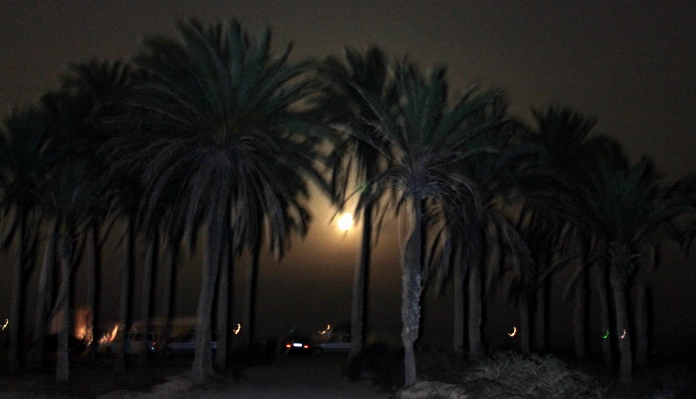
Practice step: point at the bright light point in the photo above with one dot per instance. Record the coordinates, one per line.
(514, 331)
(606, 335)
(7, 321)
(624, 334)
(238, 329)
(345, 222)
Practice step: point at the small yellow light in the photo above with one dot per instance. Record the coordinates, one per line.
(238, 329)
(7, 321)
(514, 331)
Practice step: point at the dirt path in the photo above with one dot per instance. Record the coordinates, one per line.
(294, 378)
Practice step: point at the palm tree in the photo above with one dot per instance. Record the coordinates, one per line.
(23, 160)
(149, 267)
(542, 234)
(484, 244)
(91, 87)
(219, 119)
(426, 137)
(348, 79)
(67, 197)
(123, 193)
(478, 247)
(630, 213)
(567, 153)
(224, 297)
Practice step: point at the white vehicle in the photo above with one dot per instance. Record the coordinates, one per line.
(185, 344)
(134, 341)
(335, 343)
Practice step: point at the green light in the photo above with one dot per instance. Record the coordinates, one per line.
(606, 335)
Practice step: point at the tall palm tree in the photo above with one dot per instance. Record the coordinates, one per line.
(348, 78)
(485, 244)
(23, 161)
(224, 298)
(67, 197)
(250, 285)
(630, 213)
(426, 137)
(219, 118)
(90, 88)
(542, 233)
(123, 193)
(567, 153)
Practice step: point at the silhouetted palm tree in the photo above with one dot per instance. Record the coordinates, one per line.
(567, 154)
(23, 163)
(220, 118)
(543, 235)
(426, 137)
(629, 213)
(68, 198)
(91, 88)
(353, 159)
(486, 244)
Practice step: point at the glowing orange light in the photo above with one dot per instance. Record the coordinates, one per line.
(328, 327)
(624, 334)
(109, 337)
(287, 345)
(514, 332)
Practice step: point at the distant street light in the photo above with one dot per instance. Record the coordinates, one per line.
(345, 222)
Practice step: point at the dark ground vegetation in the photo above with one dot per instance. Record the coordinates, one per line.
(501, 375)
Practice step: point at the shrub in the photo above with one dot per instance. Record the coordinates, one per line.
(512, 375)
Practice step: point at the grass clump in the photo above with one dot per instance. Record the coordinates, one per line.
(513, 375)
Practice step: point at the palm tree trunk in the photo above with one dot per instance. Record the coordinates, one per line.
(540, 321)
(202, 361)
(128, 258)
(524, 324)
(63, 307)
(412, 287)
(357, 325)
(641, 325)
(169, 284)
(458, 330)
(579, 314)
(476, 348)
(35, 358)
(149, 265)
(16, 302)
(223, 303)
(604, 314)
(247, 331)
(618, 284)
(93, 287)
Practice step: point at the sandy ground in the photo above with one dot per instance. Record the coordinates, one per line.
(292, 378)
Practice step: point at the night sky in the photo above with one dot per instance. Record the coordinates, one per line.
(630, 64)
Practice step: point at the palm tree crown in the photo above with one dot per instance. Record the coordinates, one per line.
(222, 120)
(426, 138)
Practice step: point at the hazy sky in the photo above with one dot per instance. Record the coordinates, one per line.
(630, 64)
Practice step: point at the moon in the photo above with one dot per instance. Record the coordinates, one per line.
(345, 222)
